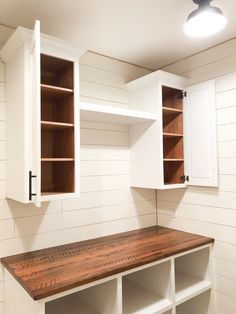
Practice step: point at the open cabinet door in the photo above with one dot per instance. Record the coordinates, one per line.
(200, 141)
(35, 176)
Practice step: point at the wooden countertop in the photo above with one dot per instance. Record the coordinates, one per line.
(49, 271)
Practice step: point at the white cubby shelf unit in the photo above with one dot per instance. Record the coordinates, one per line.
(179, 284)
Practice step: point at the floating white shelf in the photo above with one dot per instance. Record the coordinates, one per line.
(189, 286)
(101, 113)
(136, 299)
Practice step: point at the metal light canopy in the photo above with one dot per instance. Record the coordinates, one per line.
(205, 20)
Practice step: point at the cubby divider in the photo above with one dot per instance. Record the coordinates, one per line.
(192, 274)
(147, 290)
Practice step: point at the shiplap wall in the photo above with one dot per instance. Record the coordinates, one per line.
(212, 212)
(107, 204)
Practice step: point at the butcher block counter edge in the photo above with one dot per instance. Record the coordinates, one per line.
(49, 271)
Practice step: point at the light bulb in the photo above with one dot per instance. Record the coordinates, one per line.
(204, 22)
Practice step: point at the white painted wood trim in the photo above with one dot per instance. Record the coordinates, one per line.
(36, 104)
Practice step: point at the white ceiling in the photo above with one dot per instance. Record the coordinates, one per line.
(148, 33)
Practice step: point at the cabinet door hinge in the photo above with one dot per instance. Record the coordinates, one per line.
(182, 95)
(31, 176)
(185, 178)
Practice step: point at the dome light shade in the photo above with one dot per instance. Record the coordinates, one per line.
(205, 20)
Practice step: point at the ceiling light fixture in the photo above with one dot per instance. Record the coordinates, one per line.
(205, 20)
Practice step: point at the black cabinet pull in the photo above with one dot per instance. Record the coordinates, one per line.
(31, 176)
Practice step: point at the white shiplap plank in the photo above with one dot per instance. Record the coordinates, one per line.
(104, 126)
(1, 308)
(68, 235)
(227, 149)
(2, 190)
(198, 60)
(226, 82)
(115, 182)
(226, 99)
(107, 198)
(225, 285)
(112, 65)
(227, 132)
(100, 137)
(90, 184)
(2, 150)
(100, 76)
(104, 102)
(227, 183)
(2, 72)
(2, 110)
(225, 251)
(1, 292)
(2, 130)
(204, 213)
(98, 91)
(227, 166)
(214, 197)
(226, 115)
(212, 70)
(6, 229)
(38, 224)
(1, 273)
(226, 269)
(2, 170)
(2, 92)
(218, 232)
(10, 209)
(225, 303)
(102, 152)
(103, 168)
(108, 213)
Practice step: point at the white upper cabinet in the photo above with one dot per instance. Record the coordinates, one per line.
(200, 135)
(179, 148)
(43, 117)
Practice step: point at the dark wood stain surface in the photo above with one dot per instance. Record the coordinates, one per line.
(49, 271)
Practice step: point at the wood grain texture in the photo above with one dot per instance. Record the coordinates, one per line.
(49, 271)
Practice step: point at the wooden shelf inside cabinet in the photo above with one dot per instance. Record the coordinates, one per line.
(171, 111)
(172, 135)
(51, 89)
(173, 159)
(57, 159)
(51, 125)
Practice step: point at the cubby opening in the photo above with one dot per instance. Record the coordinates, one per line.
(56, 72)
(147, 290)
(197, 305)
(57, 126)
(173, 148)
(172, 98)
(192, 274)
(173, 172)
(57, 142)
(100, 299)
(57, 177)
(173, 123)
(57, 108)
